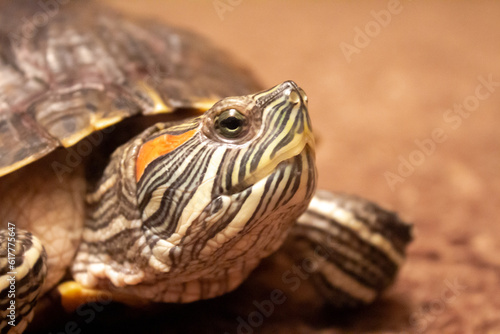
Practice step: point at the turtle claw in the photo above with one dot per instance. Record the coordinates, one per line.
(73, 295)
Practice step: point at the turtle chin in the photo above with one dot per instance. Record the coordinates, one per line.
(269, 208)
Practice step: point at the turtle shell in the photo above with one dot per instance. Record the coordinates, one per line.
(70, 70)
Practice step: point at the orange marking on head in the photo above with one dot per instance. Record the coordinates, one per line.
(157, 147)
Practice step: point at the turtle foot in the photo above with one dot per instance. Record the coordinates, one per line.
(23, 268)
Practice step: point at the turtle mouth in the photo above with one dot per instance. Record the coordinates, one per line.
(293, 159)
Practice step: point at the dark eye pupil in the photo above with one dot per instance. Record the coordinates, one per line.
(231, 123)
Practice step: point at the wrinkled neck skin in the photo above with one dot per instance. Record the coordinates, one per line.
(195, 222)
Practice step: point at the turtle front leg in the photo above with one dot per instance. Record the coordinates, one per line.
(350, 248)
(23, 268)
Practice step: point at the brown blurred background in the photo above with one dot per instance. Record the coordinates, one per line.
(405, 101)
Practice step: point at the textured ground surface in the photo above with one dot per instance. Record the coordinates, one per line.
(384, 104)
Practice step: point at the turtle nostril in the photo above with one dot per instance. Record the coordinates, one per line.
(294, 97)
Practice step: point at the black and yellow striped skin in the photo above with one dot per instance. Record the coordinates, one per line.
(202, 216)
(351, 248)
(23, 270)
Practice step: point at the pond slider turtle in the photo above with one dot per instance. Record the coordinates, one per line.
(141, 161)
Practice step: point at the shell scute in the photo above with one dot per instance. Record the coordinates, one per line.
(89, 68)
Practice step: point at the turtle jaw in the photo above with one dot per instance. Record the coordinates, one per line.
(285, 132)
(286, 158)
(271, 204)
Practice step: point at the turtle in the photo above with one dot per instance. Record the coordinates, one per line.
(140, 161)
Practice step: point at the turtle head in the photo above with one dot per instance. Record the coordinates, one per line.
(217, 193)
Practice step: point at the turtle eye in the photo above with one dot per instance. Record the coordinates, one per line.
(230, 123)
